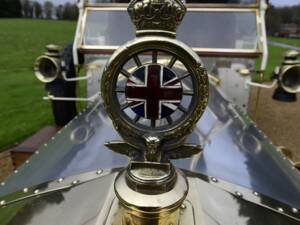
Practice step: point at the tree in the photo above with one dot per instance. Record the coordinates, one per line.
(273, 20)
(74, 12)
(38, 11)
(59, 12)
(296, 14)
(27, 8)
(70, 12)
(285, 14)
(31, 10)
(14, 8)
(10, 8)
(278, 16)
(48, 9)
(3, 7)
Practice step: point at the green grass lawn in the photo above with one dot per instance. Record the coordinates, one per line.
(276, 54)
(23, 111)
(275, 58)
(289, 41)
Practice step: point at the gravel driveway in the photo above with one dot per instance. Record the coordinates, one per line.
(278, 120)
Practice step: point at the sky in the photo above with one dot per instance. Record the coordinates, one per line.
(274, 2)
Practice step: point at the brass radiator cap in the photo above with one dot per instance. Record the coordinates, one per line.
(164, 192)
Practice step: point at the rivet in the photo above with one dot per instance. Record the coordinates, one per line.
(183, 206)
(60, 180)
(16, 171)
(59, 132)
(214, 179)
(27, 161)
(25, 190)
(239, 194)
(280, 210)
(75, 182)
(2, 184)
(2, 203)
(53, 138)
(37, 152)
(295, 210)
(36, 191)
(99, 172)
(45, 145)
(255, 193)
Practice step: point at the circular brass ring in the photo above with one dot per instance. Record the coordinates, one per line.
(40, 75)
(283, 73)
(151, 204)
(175, 133)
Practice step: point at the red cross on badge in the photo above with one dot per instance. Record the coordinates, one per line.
(153, 91)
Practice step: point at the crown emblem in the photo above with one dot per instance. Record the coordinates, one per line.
(156, 14)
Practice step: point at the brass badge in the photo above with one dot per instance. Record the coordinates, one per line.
(154, 87)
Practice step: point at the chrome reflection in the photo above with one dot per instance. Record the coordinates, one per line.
(80, 134)
(250, 143)
(84, 132)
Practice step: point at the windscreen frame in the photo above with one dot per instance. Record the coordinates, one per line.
(188, 5)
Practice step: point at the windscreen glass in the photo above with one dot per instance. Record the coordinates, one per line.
(244, 2)
(108, 28)
(199, 29)
(108, 1)
(229, 30)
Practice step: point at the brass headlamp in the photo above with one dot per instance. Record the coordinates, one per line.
(48, 66)
(289, 76)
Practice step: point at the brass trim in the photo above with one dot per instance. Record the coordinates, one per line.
(204, 9)
(88, 49)
(188, 5)
(82, 28)
(39, 75)
(132, 133)
(146, 205)
(215, 80)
